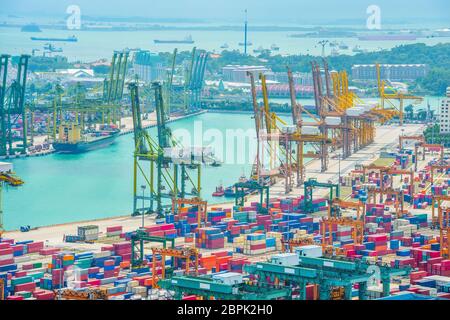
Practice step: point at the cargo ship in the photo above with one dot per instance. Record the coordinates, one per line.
(68, 39)
(187, 40)
(70, 139)
(31, 28)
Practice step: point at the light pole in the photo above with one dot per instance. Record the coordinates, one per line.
(339, 168)
(143, 204)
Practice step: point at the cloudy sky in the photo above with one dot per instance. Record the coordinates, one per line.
(232, 10)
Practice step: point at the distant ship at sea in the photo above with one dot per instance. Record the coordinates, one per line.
(31, 28)
(69, 39)
(388, 37)
(187, 40)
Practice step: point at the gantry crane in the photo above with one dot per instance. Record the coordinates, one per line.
(138, 240)
(328, 223)
(427, 146)
(435, 167)
(393, 96)
(337, 204)
(310, 185)
(398, 201)
(271, 139)
(208, 288)
(187, 254)
(12, 106)
(402, 138)
(202, 207)
(441, 221)
(240, 194)
(163, 156)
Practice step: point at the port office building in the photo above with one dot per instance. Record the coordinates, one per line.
(393, 72)
(238, 73)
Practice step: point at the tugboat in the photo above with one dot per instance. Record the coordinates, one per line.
(219, 191)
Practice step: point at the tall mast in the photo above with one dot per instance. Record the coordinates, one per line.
(245, 33)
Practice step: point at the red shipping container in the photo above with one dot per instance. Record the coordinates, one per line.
(30, 286)
(4, 245)
(14, 298)
(6, 262)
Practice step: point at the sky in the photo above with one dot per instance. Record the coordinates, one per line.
(270, 11)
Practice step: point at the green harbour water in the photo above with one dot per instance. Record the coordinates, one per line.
(98, 184)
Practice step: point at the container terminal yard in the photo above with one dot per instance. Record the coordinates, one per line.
(344, 200)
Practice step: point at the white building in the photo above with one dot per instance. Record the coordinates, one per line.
(444, 118)
(238, 73)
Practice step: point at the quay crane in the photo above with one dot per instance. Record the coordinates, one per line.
(168, 161)
(13, 107)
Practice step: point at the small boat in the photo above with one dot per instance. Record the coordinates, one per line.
(243, 178)
(343, 46)
(334, 44)
(274, 47)
(219, 191)
(215, 164)
(51, 48)
(224, 46)
(357, 49)
(259, 50)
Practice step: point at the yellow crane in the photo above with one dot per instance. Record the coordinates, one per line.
(396, 95)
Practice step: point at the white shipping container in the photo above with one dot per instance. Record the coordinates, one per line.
(312, 251)
(310, 130)
(288, 129)
(333, 121)
(285, 259)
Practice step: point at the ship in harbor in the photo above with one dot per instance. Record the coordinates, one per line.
(187, 40)
(68, 39)
(71, 140)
